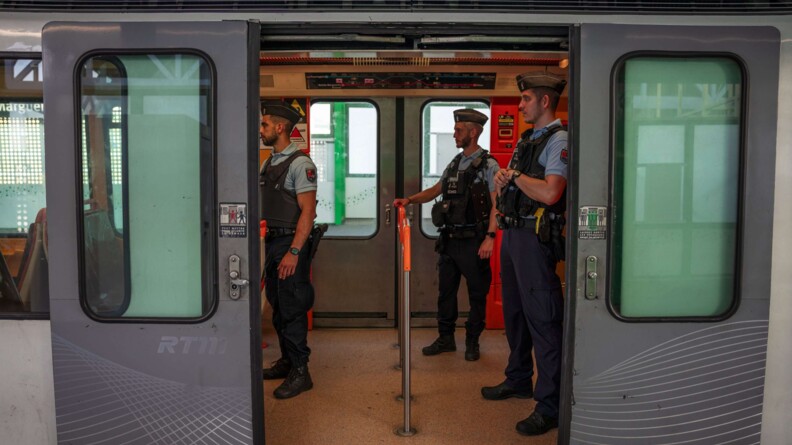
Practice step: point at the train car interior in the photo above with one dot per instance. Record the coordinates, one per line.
(143, 288)
(379, 123)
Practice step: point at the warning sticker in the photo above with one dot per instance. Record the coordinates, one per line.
(233, 220)
(592, 222)
(299, 134)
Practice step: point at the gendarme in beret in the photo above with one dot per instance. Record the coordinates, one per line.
(534, 80)
(277, 108)
(470, 115)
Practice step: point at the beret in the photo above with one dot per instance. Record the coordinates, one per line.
(276, 108)
(470, 115)
(534, 80)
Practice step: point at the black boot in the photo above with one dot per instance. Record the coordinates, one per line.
(472, 350)
(299, 380)
(536, 424)
(444, 343)
(279, 369)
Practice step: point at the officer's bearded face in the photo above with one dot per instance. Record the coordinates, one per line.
(462, 135)
(267, 131)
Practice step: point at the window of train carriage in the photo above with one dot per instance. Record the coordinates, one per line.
(24, 285)
(676, 191)
(439, 148)
(344, 142)
(147, 186)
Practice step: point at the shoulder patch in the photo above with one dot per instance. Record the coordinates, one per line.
(310, 174)
(564, 156)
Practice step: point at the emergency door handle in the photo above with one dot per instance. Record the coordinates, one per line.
(591, 277)
(387, 214)
(410, 212)
(237, 283)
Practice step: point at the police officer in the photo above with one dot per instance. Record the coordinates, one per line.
(531, 204)
(287, 186)
(466, 217)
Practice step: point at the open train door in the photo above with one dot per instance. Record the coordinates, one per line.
(152, 156)
(672, 208)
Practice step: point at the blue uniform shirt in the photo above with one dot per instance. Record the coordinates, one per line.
(554, 156)
(302, 175)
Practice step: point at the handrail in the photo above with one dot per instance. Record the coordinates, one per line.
(404, 237)
(404, 321)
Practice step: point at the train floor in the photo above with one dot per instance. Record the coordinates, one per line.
(356, 384)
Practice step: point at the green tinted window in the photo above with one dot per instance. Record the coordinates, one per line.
(147, 153)
(344, 143)
(676, 192)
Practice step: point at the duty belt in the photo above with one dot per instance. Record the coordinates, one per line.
(509, 222)
(461, 232)
(275, 232)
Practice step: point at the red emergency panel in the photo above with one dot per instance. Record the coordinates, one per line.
(505, 124)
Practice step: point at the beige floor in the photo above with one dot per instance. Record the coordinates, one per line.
(355, 389)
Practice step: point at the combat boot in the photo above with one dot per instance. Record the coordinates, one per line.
(279, 369)
(299, 380)
(472, 350)
(444, 343)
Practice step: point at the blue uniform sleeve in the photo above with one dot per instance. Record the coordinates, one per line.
(492, 168)
(302, 176)
(554, 158)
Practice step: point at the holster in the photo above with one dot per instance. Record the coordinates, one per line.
(316, 235)
(557, 240)
(441, 242)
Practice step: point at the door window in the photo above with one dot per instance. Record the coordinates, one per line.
(439, 148)
(344, 146)
(676, 195)
(23, 250)
(147, 186)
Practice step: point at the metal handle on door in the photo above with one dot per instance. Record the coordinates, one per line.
(591, 277)
(387, 214)
(237, 284)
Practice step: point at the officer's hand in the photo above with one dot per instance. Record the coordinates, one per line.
(400, 202)
(287, 265)
(502, 178)
(485, 250)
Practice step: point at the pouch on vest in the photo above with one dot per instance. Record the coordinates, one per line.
(440, 212)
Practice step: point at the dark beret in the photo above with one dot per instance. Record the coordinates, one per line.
(277, 108)
(534, 80)
(470, 115)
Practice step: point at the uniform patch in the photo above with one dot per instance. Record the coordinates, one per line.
(310, 174)
(564, 156)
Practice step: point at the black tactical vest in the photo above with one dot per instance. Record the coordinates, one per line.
(278, 206)
(468, 202)
(513, 202)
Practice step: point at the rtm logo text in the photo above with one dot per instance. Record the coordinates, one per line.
(192, 345)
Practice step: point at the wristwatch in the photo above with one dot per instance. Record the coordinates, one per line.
(491, 234)
(294, 251)
(515, 174)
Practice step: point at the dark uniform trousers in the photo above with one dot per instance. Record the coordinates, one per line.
(291, 299)
(533, 315)
(461, 258)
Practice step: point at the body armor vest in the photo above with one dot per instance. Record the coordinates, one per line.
(465, 201)
(513, 202)
(278, 206)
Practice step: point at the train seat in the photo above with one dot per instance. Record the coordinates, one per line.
(33, 277)
(10, 300)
